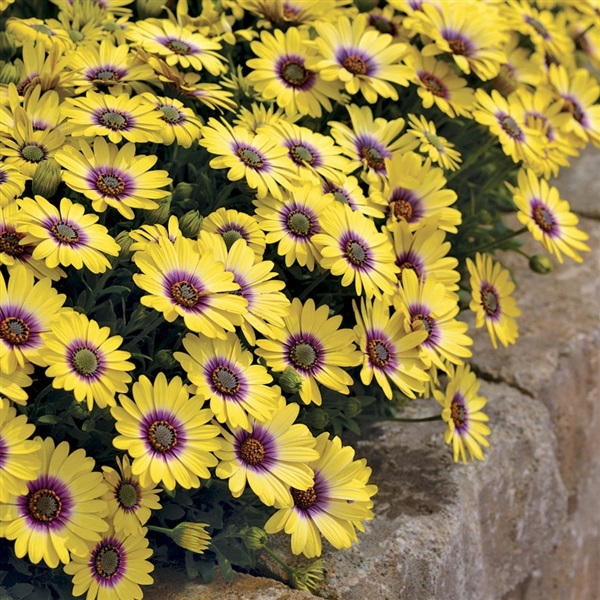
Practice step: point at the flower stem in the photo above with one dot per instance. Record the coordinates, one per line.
(499, 240)
(472, 158)
(313, 285)
(274, 556)
(402, 419)
(164, 530)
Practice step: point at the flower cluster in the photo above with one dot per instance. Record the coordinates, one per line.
(227, 228)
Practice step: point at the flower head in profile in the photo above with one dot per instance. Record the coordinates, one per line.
(12, 184)
(116, 566)
(166, 433)
(336, 505)
(61, 512)
(84, 358)
(191, 536)
(271, 457)
(130, 504)
(436, 147)
(112, 176)
(548, 218)
(466, 425)
(313, 344)
(492, 301)
(65, 236)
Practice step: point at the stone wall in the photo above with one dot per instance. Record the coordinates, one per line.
(525, 524)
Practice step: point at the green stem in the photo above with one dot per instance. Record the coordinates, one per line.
(313, 285)
(497, 241)
(164, 530)
(401, 419)
(279, 560)
(151, 326)
(472, 159)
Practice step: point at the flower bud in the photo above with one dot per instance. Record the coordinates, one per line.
(164, 360)
(7, 46)
(485, 217)
(365, 5)
(9, 74)
(255, 538)
(147, 9)
(191, 536)
(182, 191)
(125, 241)
(540, 263)
(160, 214)
(308, 577)
(46, 179)
(353, 407)
(290, 381)
(191, 224)
(317, 418)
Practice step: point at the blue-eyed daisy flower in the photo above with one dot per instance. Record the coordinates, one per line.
(233, 225)
(467, 429)
(130, 504)
(267, 305)
(370, 141)
(114, 567)
(312, 343)
(471, 33)
(177, 45)
(363, 60)
(293, 222)
(13, 385)
(150, 234)
(279, 73)
(84, 358)
(36, 31)
(350, 192)
(424, 251)
(427, 305)
(492, 299)
(166, 433)
(117, 117)
(436, 147)
(260, 114)
(180, 123)
(258, 158)
(13, 252)
(313, 156)
(225, 374)
(351, 246)
(180, 281)
(65, 236)
(19, 456)
(284, 13)
(548, 217)
(414, 191)
(61, 512)
(27, 310)
(12, 183)
(389, 353)
(111, 176)
(334, 507)
(270, 457)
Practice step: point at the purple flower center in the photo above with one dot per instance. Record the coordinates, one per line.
(409, 260)
(10, 243)
(47, 505)
(356, 251)
(163, 433)
(65, 233)
(256, 448)
(356, 61)
(299, 222)
(490, 301)
(543, 217)
(459, 413)
(459, 44)
(105, 75)
(433, 84)
(3, 452)
(108, 562)
(86, 361)
(18, 327)
(405, 204)
(225, 379)
(510, 127)
(128, 495)
(292, 72)
(379, 352)
(421, 319)
(115, 120)
(314, 499)
(250, 157)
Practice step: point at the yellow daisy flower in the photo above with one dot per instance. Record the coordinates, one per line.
(350, 193)
(492, 300)
(12, 184)
(166, 433)
(279, 73)
(334, 507)
(351, 246)
(67, 236)
(271, 457)
(437, 148)
(389, 352)
(37, 31)
(260, 114)
(462, 412)
(547, 217)
(27, 311)
(130, 504)
(83, 357)
(415, 193)
(117, 117)
(115, 567)
(293, 221)
(41, 108)
(182, 282)
(225, 374)
(256, 157)
(150, 234)
(179, 122)
(19, 456)
(362, 59)
(111, 176)
(312, 343)
(521, 67)
(61, 512)
(12, 385)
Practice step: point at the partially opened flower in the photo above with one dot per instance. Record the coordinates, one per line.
(13, 385)
(166, 433)
(436, 147)
(84, 358)
(61, 512)
(334, 507)
(12, 183)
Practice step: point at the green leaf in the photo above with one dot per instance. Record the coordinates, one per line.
(48, 420)
(20, 590)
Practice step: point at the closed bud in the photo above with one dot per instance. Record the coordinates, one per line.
(164, 360)
(309, 577)
(540, 263)
(160, 214)
(147, 9)
(7, 46)
(182, 191)
(485, 217)
(317, 418)
(191, 224)
(125, 241)
(9, 74)
(46, 179)
(365, 5)
(353, 407)
(255, 538)
(191, 536)
(290, 381)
